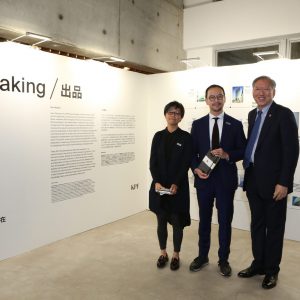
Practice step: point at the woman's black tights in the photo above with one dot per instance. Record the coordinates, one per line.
(162, 231)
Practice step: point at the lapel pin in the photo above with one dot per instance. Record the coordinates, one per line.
(178, 144)
(228, 123)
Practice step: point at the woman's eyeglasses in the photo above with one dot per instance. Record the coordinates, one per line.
(174, 113)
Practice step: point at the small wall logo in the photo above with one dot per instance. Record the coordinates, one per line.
(134, 186)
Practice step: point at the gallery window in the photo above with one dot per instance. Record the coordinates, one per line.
(246, 55)
(295, 49)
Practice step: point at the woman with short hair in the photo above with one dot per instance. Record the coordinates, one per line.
(169, 196)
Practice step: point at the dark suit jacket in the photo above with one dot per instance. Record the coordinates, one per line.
(233, 141)
(277, 150)
(176, 172)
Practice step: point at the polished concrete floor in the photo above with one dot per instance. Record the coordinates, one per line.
(118, 261)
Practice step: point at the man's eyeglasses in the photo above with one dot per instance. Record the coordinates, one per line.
(216, 97)
(174, 113)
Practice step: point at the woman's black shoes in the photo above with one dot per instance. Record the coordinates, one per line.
(162, 261)
(175, 264)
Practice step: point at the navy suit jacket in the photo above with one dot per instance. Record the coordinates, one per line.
(233, 141)
(277, 150)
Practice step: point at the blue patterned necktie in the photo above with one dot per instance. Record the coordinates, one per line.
(252, 140)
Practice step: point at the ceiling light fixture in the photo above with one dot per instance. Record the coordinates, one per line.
(18, 37)
(116, 59)
(109, 59)
(266, 53)
(189, 61)
(40, 37)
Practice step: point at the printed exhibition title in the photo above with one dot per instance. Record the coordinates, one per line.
(15, 85)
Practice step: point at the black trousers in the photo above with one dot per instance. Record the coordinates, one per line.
(162, 230)
(267, 228)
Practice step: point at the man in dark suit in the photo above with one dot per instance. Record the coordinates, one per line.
(270, 161)
(222, 181)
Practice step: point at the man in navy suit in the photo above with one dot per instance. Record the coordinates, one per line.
(222, 181)
(270, 161)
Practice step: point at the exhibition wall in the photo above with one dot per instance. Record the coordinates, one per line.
(73, 146)
(76, 138)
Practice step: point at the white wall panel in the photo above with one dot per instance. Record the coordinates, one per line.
(239, 20)
(31, 215)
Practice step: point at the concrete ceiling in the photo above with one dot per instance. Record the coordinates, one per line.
(70, 50)
(147, 34)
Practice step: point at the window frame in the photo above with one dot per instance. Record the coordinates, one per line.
(290, 41)
(281, 42)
